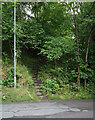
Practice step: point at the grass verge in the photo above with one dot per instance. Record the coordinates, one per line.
(70, 96)
(25, 90)
(21, 94)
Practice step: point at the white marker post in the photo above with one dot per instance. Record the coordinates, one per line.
(14, 43)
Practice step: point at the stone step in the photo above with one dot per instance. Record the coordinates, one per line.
(36, 84)
(37, 90)
(39, 94)
(34, 77)
(37, 87)
(35, 81)
(41, 97)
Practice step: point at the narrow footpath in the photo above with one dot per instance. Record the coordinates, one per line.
(35, 69)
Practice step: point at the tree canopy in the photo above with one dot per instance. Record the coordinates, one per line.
(62, 32)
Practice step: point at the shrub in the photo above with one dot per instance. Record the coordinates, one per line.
(49, 85)
(9, 79)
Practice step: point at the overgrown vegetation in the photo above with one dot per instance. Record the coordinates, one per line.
(62, 35)
(25, 90)
(56, 85)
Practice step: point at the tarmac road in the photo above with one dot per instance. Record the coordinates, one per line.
(49, 109)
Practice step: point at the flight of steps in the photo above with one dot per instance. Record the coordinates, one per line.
(35, 69)
(36, 85)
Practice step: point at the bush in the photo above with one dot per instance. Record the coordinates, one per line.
(49, 85)
(5, 58)
(91, 87)
(9, 79)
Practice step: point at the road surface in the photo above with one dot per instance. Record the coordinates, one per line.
(49, 109)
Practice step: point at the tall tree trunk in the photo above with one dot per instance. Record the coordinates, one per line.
(86, 59)
(78, 81)
(76, 33)
(37, 12)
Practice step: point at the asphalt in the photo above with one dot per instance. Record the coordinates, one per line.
(48, 109)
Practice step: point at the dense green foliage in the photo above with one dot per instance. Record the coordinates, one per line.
(63, 34)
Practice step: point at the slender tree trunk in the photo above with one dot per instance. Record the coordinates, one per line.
(78, 56)
(37, 12)
(78, 81)
(86, 59)
(20, 18)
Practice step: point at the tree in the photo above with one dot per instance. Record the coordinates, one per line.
(75, 12)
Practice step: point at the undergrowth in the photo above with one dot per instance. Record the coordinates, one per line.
(24, 88)
(56, 85)
(55, 82)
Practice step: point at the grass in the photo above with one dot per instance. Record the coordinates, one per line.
(25, 90)
(19, 94)
(0, 93)
(26, 77)
(82, 94)
(22, 71)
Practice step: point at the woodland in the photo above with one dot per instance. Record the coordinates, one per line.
(55, 41)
